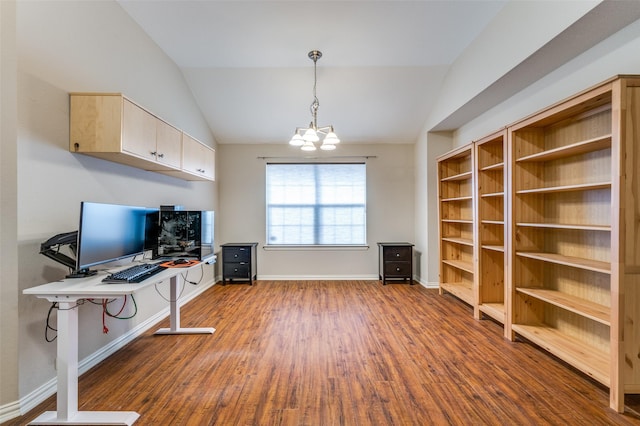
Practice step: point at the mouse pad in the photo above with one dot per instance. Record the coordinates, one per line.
(175, 264)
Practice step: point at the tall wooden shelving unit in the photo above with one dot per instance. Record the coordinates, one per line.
(457, 223)
(540, 230)
(490, 195)
(574, 233)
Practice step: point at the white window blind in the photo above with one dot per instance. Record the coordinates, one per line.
(316, 204)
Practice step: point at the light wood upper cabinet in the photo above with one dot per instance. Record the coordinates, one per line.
(197, 158)
(112, 127)
(168, 144)
(138, 131)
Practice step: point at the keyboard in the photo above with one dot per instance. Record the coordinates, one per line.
(134, 274)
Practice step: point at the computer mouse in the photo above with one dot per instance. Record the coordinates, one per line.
(180, 261)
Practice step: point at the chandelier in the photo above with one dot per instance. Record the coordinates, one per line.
(306, 137)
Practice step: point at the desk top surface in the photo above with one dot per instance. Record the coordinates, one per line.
(93, 287)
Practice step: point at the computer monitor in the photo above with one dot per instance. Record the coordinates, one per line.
(108, 232)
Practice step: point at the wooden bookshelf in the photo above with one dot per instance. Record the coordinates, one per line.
(490, 192)
(539, 230)
(574, 265)
(456, 223)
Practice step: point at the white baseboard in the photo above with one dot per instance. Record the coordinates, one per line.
(429, 284)
(316, 277)
(335, 277)
(10, 411)
(39, 395)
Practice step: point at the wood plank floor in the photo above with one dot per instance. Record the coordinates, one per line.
(340, 353)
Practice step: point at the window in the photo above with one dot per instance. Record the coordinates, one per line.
(316, 204)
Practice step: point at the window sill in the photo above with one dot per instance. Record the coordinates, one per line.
(276, 247)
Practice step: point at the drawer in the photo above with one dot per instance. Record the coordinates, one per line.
(236, 270)
(395, 268)
(236, 254)
(397, 253)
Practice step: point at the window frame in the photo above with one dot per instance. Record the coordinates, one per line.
(289, 246)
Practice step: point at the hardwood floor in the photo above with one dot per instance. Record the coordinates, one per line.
(340, 353)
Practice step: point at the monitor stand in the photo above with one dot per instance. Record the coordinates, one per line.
(81, 273)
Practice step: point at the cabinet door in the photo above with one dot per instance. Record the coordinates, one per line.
(169, 144)
(138, 131)
(209, 157)
(197, 158)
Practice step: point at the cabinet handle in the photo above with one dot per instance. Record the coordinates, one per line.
(201, 170)
(397, 254)
(161, 155)
(153, 152)
(397, 269)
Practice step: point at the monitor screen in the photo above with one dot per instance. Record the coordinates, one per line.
(109, 232)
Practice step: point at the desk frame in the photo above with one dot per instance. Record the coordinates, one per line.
(67, 293)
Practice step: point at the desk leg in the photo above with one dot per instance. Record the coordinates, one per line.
(67, 365)
(174, 316)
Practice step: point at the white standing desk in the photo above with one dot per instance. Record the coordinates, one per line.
(67, 293)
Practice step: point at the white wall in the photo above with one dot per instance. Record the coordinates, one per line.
(390, 180)
(427, 149)
(8, 210)
(67, 47)
(515, 34)
(616, 55)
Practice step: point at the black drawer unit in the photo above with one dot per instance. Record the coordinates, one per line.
(239, 262)
(396, 262)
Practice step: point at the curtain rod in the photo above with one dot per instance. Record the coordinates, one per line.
(366, 157)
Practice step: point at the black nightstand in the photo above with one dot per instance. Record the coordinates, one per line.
(239, 262)
(396, 262)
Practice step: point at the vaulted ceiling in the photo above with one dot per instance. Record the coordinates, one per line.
(382, 69)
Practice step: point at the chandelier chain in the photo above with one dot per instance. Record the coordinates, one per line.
(315, 105)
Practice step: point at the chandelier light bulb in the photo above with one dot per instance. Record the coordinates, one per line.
(331, 138)
(296, 140)
(310, 135)
(308, 146)
(327, 146)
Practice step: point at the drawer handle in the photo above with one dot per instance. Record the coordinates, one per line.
(397, 269)
(235, 269)
(397, 254)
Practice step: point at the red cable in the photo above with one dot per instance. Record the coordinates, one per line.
(105, 330)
